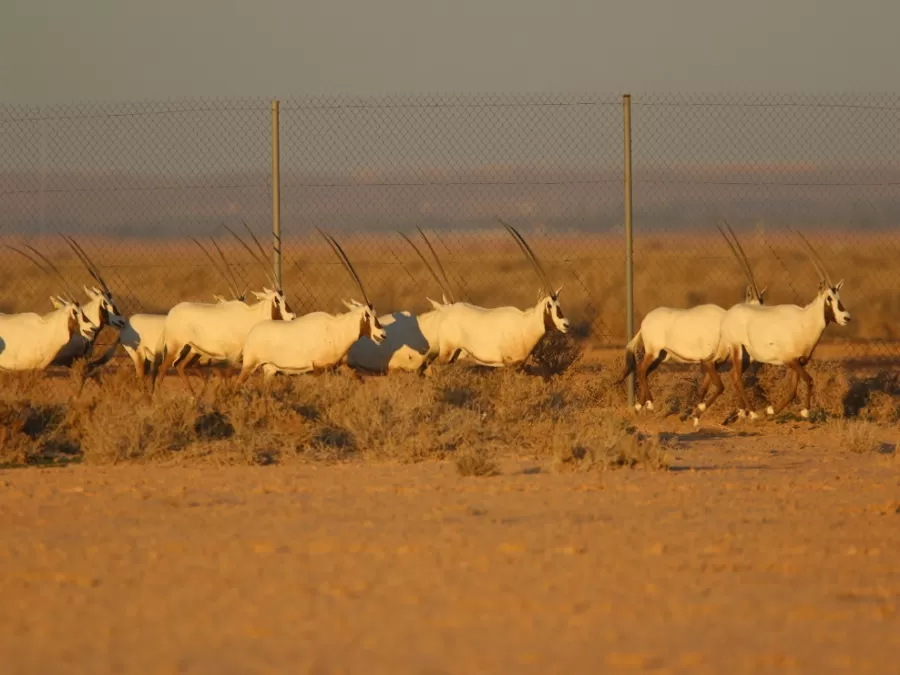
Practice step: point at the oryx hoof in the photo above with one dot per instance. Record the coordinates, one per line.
(741, 414)
(770, 411)
(696, 422)
(649, 406)
(753, 416)
(804, 414)
(701, 407)
(637, 407)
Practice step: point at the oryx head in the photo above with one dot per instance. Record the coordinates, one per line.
(281, 311)
(828, 293)
(553, 314)
(79, 323)
(548, 298)
(369, 326)
(108, 313)
(754, 297)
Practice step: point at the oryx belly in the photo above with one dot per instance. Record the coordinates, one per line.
(499, 336)
(686, 335)
(310, 341)
(216, 331)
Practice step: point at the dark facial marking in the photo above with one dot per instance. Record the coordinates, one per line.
(840, 304)
(829, 312)
(559, 314)
(287, 307)
(548, 317)
(276, 312)
(73, 323)
(365, 328)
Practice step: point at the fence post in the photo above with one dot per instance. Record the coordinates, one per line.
(276, 195)
(629, 267)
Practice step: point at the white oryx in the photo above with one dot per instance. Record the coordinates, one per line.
(313, 342)
(141, 335)
(499, 336)
(101, 310)
(686, 336)
(410, 339)
(29, 341)
(217, 331)
(781, 335)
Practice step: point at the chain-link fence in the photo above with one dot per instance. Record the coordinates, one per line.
(133, 182)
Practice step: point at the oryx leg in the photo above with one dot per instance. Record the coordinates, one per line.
(184, 377)
(737, 370)
(797, 372)
(647, 365)
(247, 369)
(171, 355)
(710, 376)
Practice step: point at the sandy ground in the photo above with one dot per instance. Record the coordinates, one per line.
(769, 553)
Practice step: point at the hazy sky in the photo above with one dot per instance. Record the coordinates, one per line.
(54, 51)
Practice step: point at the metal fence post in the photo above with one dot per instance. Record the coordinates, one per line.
(629, 266)
(276, 196)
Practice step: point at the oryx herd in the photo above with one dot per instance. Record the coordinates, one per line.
(266, 334)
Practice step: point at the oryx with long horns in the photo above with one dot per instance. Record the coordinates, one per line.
(500, 336)
(217, 331)
(781, 335)
(141, 336)
(30, 341)
(687, 336)
(100, 309)
(410, 339)
(313, 342)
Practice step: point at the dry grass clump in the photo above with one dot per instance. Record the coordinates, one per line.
(605, 443)
(476, 463)
(556, 353)
(858, 436)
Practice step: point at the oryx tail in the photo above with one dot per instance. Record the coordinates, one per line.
(630, 360)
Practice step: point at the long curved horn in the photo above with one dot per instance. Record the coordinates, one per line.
(262, 251)
(253, 255)
(55, 269)
(86, 261)
(339, 252)
(816, 260)
(738, 251)
(425, 262)
(526, 249)
(439, 264)
(227, 267)
(216, 266)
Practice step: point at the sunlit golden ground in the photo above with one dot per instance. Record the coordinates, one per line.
(468, 522)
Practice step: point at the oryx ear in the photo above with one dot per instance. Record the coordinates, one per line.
(268, 291)
(762, 292)
(444, 299)
(90, 292)
(258, 295)
(348, 305)
(56, 303)
(822, 286)
(556, 295)
(838, 285)
(97, 292)
(434, 303)
(218, 298)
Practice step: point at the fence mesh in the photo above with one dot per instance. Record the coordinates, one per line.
(132, 183)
